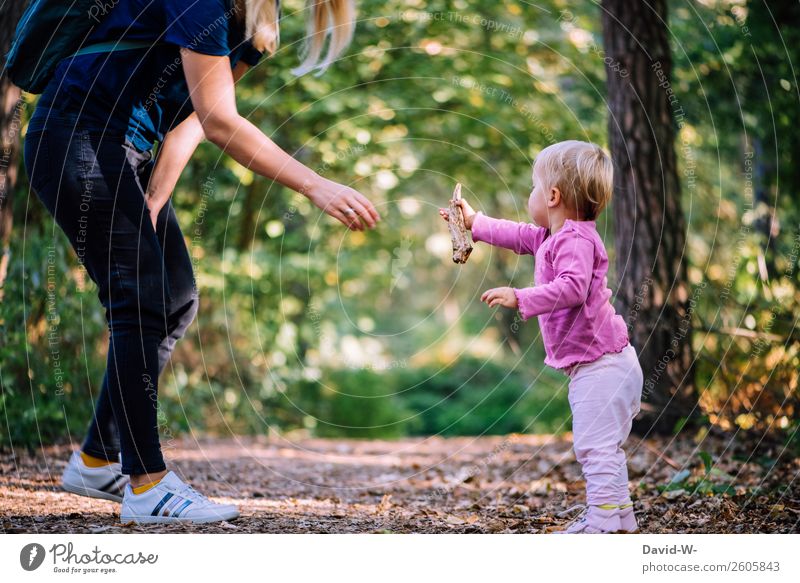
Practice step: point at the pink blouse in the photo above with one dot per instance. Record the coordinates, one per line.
(571, 295)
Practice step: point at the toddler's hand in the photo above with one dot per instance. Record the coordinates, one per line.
(466, 210)
(500, 296)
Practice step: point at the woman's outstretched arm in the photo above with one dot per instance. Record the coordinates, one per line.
(210, 85)
(174, 153)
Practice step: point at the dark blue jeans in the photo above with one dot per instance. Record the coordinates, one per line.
(94, 185)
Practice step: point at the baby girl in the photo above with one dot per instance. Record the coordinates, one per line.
(582, 334)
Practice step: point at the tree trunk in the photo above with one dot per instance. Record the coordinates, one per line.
(649, 224)
(10, 124)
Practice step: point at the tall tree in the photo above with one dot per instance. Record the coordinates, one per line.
(10, 110)
(649, 223)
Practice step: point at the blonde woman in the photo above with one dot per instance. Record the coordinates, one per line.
(166, 73)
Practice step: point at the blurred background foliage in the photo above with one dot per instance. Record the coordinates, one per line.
(310, 329)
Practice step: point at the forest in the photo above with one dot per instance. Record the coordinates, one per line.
(306, 330)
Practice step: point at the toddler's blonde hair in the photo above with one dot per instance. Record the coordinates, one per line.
(582, 171)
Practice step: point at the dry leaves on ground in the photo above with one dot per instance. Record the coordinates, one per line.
(512, 484)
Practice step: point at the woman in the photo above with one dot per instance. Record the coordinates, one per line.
(89, 156)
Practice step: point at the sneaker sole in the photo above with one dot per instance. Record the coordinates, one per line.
(90, 492)
(148, 519)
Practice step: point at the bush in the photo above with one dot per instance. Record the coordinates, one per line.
(51, 343)
(476, 397)
(470, 397)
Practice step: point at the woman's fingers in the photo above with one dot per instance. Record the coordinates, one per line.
(352, 219)
(356, 207)
(345, 219)
(347, 205)
(367, 204)
(338, 216)
(362, 211)
(347, 216)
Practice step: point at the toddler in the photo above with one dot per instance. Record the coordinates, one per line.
(582, 334)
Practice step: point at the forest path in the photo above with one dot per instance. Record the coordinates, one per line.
(511, 484)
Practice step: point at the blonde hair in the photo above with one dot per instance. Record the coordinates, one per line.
(582, 171)
(331, 20)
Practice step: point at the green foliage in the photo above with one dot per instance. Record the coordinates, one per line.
(470, 397)
(51, 337)
(478, 397)
(738, 89)
(304, 326)
(713, 480)
(357, 404)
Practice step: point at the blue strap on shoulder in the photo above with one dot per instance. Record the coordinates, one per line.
(114, 45)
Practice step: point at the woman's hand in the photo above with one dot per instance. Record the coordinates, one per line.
(466, 210)
(347, 205)
(500, 296)
(155, 203)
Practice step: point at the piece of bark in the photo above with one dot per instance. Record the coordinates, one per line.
(462, 240)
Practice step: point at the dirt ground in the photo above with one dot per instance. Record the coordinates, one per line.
(512, 484)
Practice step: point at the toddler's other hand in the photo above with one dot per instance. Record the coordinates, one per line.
(500, 296)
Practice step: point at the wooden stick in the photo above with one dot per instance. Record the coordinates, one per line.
(661, 455)
(462, 241)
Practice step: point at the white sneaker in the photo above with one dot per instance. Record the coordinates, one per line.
(106, 482)
(172, 500)
(603, 519)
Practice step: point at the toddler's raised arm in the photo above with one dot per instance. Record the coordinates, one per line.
(521, 238)
(573, 263)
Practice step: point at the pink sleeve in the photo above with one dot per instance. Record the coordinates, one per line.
(522, 238)
(573, 264)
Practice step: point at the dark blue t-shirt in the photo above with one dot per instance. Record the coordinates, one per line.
(141, 93)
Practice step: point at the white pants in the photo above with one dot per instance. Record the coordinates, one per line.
(605, 396)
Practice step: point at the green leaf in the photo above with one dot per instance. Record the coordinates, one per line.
(708, 461)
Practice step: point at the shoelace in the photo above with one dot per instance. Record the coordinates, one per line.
(192, 493)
